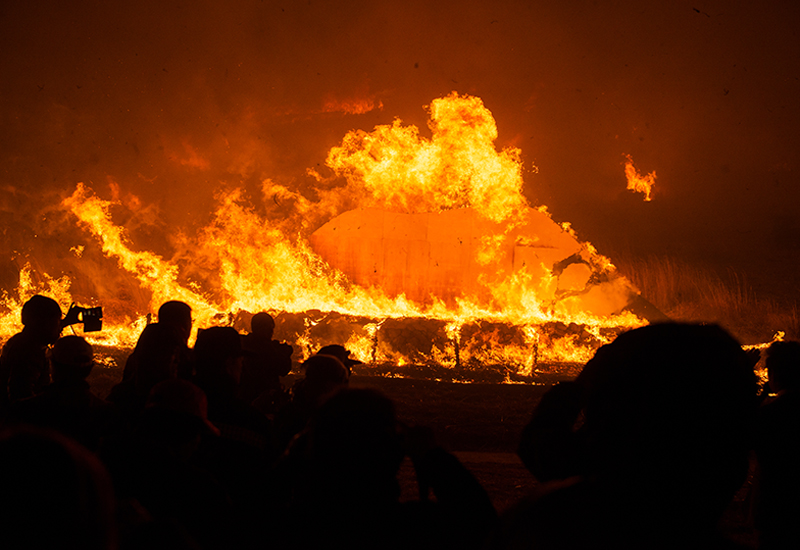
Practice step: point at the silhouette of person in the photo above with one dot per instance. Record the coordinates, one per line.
(345, 469)
(342, 354)
(241, 457)
(24, 368)
(157, 358)
(155, 465)
(324, 375)
(267, 361)
(662, 418)
(549, 447)
(55, 493)
(219, 358)
(777, 488)
(68, 404)
(177, 316)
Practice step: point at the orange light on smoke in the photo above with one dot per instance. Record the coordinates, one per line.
(352, 106)
(637, 182)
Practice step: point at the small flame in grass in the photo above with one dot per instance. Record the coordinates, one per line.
(760, 367)
(637, 182)
(777, 337)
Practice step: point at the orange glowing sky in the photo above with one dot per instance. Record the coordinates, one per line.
(162, 103)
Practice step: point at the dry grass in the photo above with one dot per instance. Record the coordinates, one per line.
(687, 292)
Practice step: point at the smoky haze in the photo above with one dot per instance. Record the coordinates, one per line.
(161, 104)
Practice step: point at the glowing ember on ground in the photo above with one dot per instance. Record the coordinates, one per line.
(427, 252)
(637, 182)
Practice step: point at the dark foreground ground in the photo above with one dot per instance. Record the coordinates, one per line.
(481, 423)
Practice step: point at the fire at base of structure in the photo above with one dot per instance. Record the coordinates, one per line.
(444, 263)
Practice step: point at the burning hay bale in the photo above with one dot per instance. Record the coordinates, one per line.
(416, 341)
(433, 348)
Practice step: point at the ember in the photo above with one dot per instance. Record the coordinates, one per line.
(637, 182)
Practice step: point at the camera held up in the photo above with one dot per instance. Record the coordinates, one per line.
(91, 317)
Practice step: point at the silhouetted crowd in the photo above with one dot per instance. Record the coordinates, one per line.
(203, 448)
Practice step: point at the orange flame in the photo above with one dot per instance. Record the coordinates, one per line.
(151, 270)
(528, 278)
(58, 289)
(637, 182)
(396, 169)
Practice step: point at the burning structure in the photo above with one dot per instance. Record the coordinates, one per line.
(443, 256)
(410, 250)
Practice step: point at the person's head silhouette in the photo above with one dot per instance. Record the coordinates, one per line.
(178, 315)
(42, 316)
(262, 325)
(667, 413)
(72, 359)
(783, 366)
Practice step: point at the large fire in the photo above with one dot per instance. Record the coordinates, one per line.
(411, 250)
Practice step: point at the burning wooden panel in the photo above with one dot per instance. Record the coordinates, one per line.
(457, 254)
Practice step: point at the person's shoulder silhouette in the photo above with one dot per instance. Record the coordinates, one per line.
(266, 362)
(24, 370)
(667, 413)
(56, 494)
(68, 404)
(778, 481)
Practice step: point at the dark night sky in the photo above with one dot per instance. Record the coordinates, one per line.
(705, 93)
